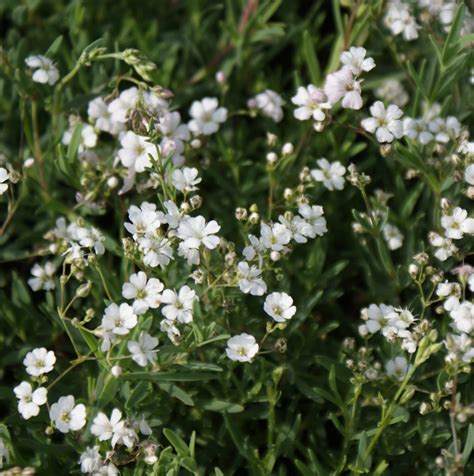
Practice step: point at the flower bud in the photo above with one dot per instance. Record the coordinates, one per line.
(241, 214)
(196, 144)
(275, 256)
(271, 139)
(116, 371)
(29, 162)
(287, 148)
(254, 218)
(220, 77)
(272, 158)
(112, 182)
(84, 289)
(413, 270)
(425, 408)
(196, 201)
(288, 193)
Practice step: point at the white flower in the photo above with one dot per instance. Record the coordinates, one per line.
(397, 368)
(385, 123)
(186, 179)
(269, 102)
(174, 215)
(274, 237)
(156, 105)
(242, 348)
(470, 280)
(313, 103)
(392, 91)
(90, 460)
(250, 280)
(119, 108)
(98, 111)
(461, 345)
(136, 151)
(468, 174)
(42, 277)
(342, 85)
(172, 129)
(119, 319)
(463, 316)
(279, 306)
(206, 116)
(107, 470)
(88, 137)
(400, 20)
(39, 361)
(417, 129)
(379, 318)
(194, 231)
(315, 221)
(46, 71)
(144, 219)
(457, 224)
(444, 245)
(295, 226)
(146, 293)
(191, 255)
(445, 130)
(331, 174)
(254, 249)
(143, 350)
(29, 401)
(104, 428)
(157, 251)
(179, 304)
(4, 176)
(393, 236)
(356, 60)
(66, 415)
(91, 238)
(174, 335)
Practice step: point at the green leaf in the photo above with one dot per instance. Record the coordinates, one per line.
(54, 47)
(75, 143)
(311, 58)
(469, 445)
(178, 443)
(450, 45)
(222, 406)
(177, 392)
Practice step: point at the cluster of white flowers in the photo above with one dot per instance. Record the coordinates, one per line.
(269, 103)
(399, 19)
(438, 129)
(395, 324)
(392, 91)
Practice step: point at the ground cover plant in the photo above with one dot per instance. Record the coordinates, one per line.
(236, 237)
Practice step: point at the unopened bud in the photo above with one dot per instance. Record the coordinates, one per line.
(196, 144)
(196, 201)
(254, 218)
(116, 371)
(220, 77)
(241, 214)
(287, 149)
(272, 158)
(112, 182)
(275, 256)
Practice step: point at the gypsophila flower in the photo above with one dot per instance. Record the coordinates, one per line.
(119, 319)
(385, 123)
(460, 346)
(397, 368)
(136, 151)
(108, 469)
(417, 129)
(279, 306)
(4, 177)
(88, 137)
(98, 111)
(144, 220)
(445, 247)
(170, 126)
(457, 224)
(143, 350)
(242, 348)
(45, 70)
(206, 116)
(29, 400)
(105, 428)
(91, 238)
(157, 251)
(67, 416)
(392, 236)
(342, 85)
(42, 277)
(269, 102)
(400, 20)
(186, 179)
(194, 231)
(274, 237)
(179, 305)
(393, 92)
(315, 221)
(146, 293)
(296, 226)
(120, 107)
(378, 318)
(90, 460)
(250, 281)
(468, 174)
(463, 317)
(445, 130)
(39, 361)
(330, 174)
(313, 103)
(254, 249)
(355, 59)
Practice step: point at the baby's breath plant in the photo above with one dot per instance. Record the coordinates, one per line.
(236, 237)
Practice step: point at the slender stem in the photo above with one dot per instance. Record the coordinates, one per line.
(104, 282)
(37, 144)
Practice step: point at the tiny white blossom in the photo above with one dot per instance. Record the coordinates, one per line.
(468, 174)
(39, 361)
(42, 277)
(98, 111)
(29, 400)
(397, 368)
(250, 280)
(157, 251)
(194, 231)
(146, 293)
(342, 85)
(445, 130)
(179, 305)
(143, 350)
(172, 129)
(379, 318)
(186, 179)
(463, 317)
(67, 416)
(330, 174)
(104, 428)
(385, 123)
(393, 92)
(242, 348)
(356, 60)
(4, 177)
(417, 129)
(136, 151)
(315, 221)
(313, 103)
(119, 319)
(45, 70)
(457, 224)
(92, 238)
(279, 306)
(445, 247)
(120, 107)
(90, 460)
(269, 102)
(400, 20)
(274, 237)
(392, 236)
(144, 220)
(206, 116)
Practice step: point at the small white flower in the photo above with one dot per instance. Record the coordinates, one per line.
(144, 220)
(98, 111)
(92, 238)
(119, 319)
(179, 304)
(46, 72)
(393, 92)
(173, 131)
(445, 130)
(392, 236)
(330, 174)
(468, 174)
(157, 251)
(174, 335)
(42, 277)
(457, 224)
(136, 151)
(143, 350)
(250, 281)
(206, 116)
(174, 215)
(194, 231)
(39, 361)
(90, 460)
(342, 85)
(400, 20)
(269, 102)
(146, 293)
(315, 221)
(274, 237)
(313, 103)
(242, 348)
(417, 129)
(295, 226)
(88, 138)
(120, 107)
(445, 247)
(29, 401)
(66, 415)
(254, 249)
(356, 60)
(279, 306)
(103, 427)
(108, 469)
(385, 123)
(186, 179)
(463, 316)
(397, 368)
(4, 177)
